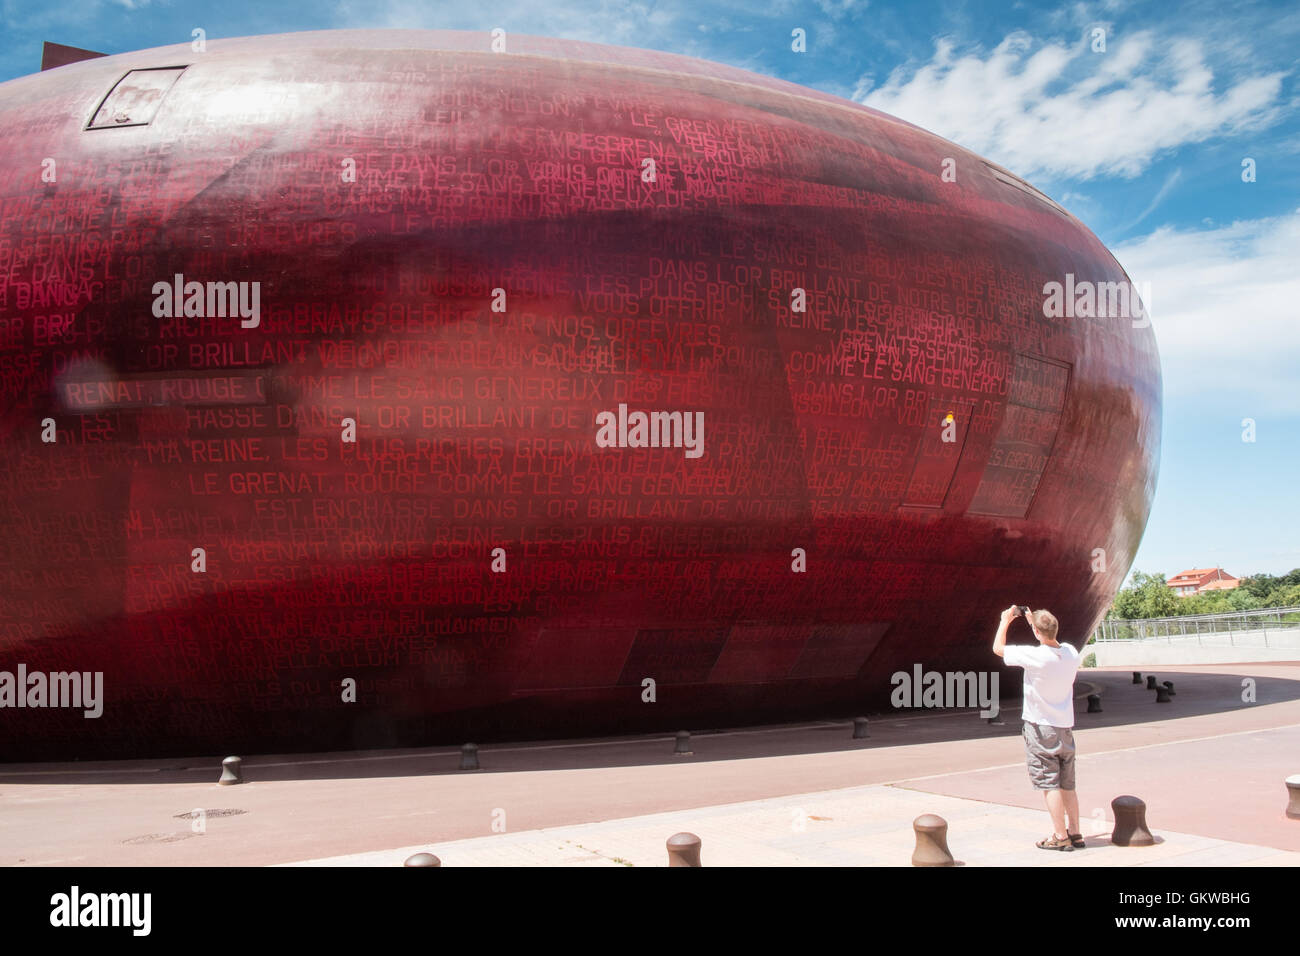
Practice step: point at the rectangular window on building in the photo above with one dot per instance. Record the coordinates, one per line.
(135, 98)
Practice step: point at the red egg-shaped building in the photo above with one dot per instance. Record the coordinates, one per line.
(371, 388)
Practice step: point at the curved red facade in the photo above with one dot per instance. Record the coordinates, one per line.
(467, 253)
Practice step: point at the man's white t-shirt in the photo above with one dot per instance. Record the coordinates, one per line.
(1049, 682)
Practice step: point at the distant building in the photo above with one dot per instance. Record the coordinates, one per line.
(1200, 580)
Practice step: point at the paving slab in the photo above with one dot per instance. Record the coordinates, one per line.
(859, 826)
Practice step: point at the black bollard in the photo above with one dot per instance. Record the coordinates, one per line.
(422, 859)
(469, 757)
(1137, 677)
(859, 728)
(1162, 695)
(1094, 703)
(931, 841)
(683, 748)
(684, 850)
(231, 771)
(1130, 822)
(1151, 682)
(1170, 685)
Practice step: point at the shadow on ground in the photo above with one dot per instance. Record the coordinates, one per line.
(1124, 704)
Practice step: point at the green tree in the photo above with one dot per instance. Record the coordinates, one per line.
(1126, 604)
(1239, 599)
(1207, 603)
(1259, 585)
(1284, 597)
(1146, 596)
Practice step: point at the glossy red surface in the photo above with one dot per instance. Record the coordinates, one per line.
(476, 429)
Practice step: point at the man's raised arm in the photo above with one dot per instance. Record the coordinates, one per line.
(1000, 642)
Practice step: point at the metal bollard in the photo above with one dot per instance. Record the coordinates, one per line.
(859, 728)
(231, 771)
(1170, 686)
(1162, 694)
(422, 859)
(931, 841)
(1094, 703)
(1137, 677)
(469, 757)
(684, 850)
(683, 748)
(1293, 795)
(1130, 822)
(1151, 682)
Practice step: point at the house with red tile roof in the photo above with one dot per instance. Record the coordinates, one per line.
(1200, 580)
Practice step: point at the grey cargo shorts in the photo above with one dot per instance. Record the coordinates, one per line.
(1049, 751)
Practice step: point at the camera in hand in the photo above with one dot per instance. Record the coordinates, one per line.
(1023, 609)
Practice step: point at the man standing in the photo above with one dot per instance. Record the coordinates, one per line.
(1048, 713)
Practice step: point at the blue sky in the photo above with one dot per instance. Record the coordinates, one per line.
(1143, 141)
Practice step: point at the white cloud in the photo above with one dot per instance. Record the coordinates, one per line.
(1170, 182)
(1225, 304)
(1065, 111)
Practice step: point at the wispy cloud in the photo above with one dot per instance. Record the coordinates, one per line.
(1170, 182)
(1066, 111)
(1224, 307)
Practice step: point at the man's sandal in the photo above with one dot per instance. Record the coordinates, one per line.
(1076, 841)
(1053, 843)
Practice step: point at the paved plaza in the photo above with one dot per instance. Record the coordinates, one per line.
(1210, 766)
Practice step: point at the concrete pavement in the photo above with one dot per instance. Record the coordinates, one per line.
(1209, 764)
(857, 826)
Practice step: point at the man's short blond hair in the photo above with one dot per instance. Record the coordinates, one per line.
(1045, 623)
